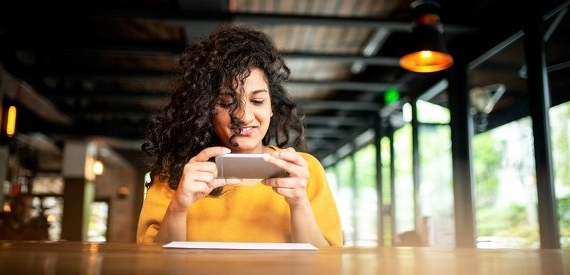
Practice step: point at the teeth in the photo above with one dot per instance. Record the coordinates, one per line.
(246, 129)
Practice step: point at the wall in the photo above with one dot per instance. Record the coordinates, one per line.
(121, 185)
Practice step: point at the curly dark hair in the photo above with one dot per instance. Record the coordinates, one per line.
(218, 62)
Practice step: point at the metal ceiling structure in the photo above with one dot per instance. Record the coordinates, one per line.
(98, 69)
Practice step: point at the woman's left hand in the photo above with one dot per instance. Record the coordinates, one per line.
(304, 227)
(293, 187)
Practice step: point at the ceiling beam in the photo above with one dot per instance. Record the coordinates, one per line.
(127, 48)
(266, 19)
(338, 105)
(214, 16)
(377, 87)
(349, 137)
(314, 132)
(334, 121)
(346, 58)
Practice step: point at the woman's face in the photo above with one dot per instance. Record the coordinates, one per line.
(254, 114)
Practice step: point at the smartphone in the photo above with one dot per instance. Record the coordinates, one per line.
(247, 166)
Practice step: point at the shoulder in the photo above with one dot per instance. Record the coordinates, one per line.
(316, 169)
(159, 192)
(312, 160)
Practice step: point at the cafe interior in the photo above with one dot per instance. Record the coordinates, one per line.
(473, 152)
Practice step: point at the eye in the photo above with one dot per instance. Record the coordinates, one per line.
(225, 105)
(225, 101)
(258, 101)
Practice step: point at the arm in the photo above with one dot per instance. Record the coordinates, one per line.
(304, 228)
(173, 226)
(314, 216)
(197, 181)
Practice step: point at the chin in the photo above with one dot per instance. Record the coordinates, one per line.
(247, 146)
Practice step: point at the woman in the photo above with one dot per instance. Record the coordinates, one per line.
(230, 98)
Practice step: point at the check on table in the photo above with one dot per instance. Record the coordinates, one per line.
(122, 258)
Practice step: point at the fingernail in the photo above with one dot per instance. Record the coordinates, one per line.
(226, 150)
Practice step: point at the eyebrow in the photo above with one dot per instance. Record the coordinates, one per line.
(258, 91)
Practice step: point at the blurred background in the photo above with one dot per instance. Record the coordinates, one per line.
(453, 157)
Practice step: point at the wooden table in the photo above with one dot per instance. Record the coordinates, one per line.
(112, 258)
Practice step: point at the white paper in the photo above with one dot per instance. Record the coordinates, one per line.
(241, 245)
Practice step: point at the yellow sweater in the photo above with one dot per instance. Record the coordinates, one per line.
(244, 213)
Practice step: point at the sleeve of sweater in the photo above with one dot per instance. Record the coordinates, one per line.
(152, 212)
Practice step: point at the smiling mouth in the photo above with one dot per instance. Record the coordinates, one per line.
(244, 131)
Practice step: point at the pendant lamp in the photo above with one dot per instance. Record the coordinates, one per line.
(428, 53)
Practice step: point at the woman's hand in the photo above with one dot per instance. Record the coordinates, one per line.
(199, 178)
(197, 181)
(293, 187)
(304, 226)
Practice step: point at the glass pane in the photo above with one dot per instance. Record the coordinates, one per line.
(503, 152)
(386, 190)
(97, 229)
(52, 207)
(356, 196)
(344, 193)
(560, 134)
(404, 184)
(49, 188)
(366, 196)
(436, 186)
(506, 187)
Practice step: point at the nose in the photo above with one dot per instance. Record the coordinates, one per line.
(245, 112)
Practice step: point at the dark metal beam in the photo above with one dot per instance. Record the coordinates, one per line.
(346, 85)
(462, 129)
(315, 132)
(369, 60)
(539, 94)
(127, 48)
(334, 121)
(349, 137)
(338, 105)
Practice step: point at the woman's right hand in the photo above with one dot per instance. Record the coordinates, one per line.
(199, 178)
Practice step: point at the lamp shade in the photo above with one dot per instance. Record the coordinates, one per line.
(428, 52)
